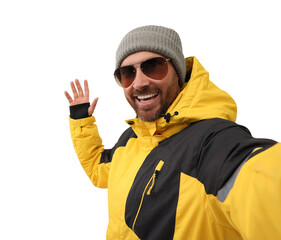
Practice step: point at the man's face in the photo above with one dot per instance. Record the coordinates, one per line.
(150, 98)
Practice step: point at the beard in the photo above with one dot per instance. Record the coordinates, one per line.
(150, 115)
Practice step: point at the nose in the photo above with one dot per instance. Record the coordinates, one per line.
(141, 80)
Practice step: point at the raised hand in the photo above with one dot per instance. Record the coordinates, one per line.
(79, 96)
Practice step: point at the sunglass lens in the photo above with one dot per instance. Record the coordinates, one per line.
(155, 68)
(125, 75)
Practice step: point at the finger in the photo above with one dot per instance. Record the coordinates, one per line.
(80, 90)
(86, 88)
(75, 94)
(92, 107)
(69, 98)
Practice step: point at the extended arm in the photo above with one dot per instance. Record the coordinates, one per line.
(85, 136)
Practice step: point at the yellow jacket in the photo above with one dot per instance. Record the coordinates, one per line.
(165, 178)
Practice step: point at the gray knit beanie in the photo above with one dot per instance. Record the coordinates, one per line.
(161, 40)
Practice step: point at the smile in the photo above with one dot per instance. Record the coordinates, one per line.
(147, 97)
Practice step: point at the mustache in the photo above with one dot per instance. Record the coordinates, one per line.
(144, 91)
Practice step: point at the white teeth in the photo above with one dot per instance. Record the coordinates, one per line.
(146, 96)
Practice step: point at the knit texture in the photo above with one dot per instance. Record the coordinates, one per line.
(158, 39)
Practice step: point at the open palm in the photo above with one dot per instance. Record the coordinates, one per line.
(80, 96)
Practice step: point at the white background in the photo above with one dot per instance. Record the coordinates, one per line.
(44, 192)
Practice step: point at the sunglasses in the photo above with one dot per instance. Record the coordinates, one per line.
(155, 68)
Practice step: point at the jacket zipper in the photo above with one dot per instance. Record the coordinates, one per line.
(152, 179)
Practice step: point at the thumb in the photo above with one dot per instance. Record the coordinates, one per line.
(92, 107)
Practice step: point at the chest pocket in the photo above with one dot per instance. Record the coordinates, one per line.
(152, 200)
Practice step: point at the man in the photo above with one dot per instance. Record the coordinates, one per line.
(183, 169)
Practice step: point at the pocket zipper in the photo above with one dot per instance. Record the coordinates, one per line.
(157, 169)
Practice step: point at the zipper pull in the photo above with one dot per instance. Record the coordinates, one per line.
(152, 185)
(157, 169)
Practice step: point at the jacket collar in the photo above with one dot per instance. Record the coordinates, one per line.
(199, 99)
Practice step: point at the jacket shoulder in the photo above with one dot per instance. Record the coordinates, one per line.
(211, 150)
(122, 141)
(125, 137)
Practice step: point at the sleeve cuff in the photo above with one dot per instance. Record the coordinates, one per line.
(79, 111)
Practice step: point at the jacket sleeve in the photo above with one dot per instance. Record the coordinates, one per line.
(224, 147)
(253, 204)
(90, 150)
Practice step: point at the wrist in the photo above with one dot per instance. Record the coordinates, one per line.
(79, 111)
